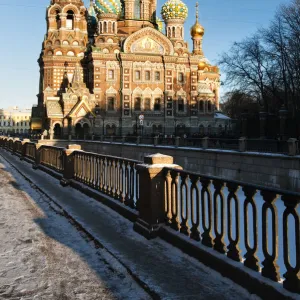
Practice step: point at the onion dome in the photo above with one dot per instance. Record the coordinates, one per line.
(202, 65)
(197, 30)
(108, 6)
(174, 9)
(92, 17)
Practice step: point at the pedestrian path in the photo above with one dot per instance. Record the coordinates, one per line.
(162, 270)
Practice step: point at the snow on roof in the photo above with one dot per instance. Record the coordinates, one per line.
(221, 116)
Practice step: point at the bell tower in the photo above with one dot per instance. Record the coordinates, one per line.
(137, 14)
(64, 45)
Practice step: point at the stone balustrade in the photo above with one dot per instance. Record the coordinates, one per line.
(249, 233)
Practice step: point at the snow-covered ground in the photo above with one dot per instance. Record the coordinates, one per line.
(43, 256)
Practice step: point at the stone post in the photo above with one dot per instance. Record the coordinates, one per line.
(155, 140)
(68, 160)
(15, 145)
(123, 139)
(204, 142)
(262, 124)
(152, 194)
(177, 140)
(24, 142)
(70, 137)
(243, 144)
(293, 147)
(37, 155)
(283, 116)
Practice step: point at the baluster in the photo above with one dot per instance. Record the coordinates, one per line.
(175, 224)
(85, 158)
(127, 183)
(75, 167)
(105, 175)
(112, 176)
(86, 161)
(81, 167)
(292, 275)
(168, 198)
(97, 173)
(206, 235)
(184, 201)
(137, 191)
(251, 260)
(101, 175)
(91, 175)
(233, 247)
(117, 179)
(130, 201)
(110, 187)
(270, 268)
(132, 168)
(195, 208)
(219, 244)
(123, 182)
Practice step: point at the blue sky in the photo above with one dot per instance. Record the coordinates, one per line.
(23, 27)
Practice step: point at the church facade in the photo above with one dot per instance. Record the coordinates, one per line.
(117, 69)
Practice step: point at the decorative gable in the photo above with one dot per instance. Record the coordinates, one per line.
(148, 40)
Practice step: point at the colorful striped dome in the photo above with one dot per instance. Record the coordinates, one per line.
(174, 9)
(108, 6)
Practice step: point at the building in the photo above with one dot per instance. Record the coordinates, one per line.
(112, 69)
(15, 121)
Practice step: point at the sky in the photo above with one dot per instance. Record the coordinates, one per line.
(23, 27)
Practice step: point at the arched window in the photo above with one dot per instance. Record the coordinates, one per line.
(111, 103)
(58, 22)
(137, 75)
(147, 104)
(209, 106)
(180, 104)
(201, 108)
(70, 19)
(157, 104)
(137, 104)
(137, 9)
(147, 75)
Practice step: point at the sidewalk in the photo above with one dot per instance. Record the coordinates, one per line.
(163, 270)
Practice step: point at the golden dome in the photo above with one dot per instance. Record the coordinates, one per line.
(201, 65)
(197, 30)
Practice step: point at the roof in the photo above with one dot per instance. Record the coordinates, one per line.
(54, 108)
(221, 116)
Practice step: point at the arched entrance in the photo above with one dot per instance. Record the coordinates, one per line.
(81, 130)
(157, 129)
(111, 129)
(57, 131)
(180, 130)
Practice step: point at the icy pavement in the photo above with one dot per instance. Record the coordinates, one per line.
(44, 256)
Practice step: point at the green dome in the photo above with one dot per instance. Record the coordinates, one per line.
(174, 9)
(108, 6)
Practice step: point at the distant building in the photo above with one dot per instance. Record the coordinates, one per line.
(109, 69)
(15, 121)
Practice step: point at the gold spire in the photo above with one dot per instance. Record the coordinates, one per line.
(197, 30)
